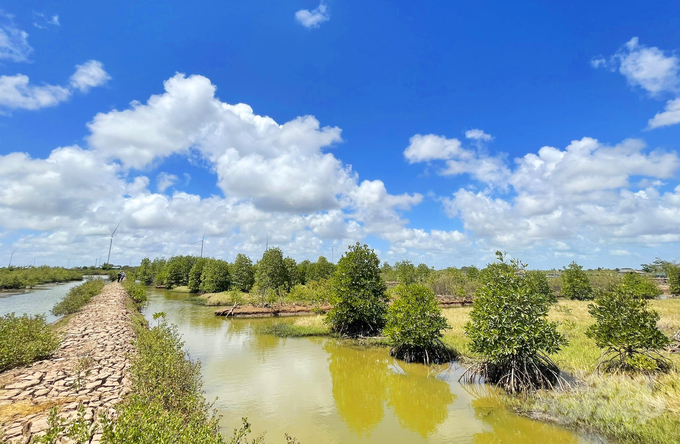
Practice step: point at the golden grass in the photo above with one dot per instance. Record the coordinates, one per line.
(639, 409)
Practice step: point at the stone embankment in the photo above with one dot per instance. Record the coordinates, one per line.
(89, 369)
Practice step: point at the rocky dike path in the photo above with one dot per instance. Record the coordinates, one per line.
(90, 368)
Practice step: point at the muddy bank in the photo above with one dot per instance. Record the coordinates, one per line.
(89, 369)
(253, 311)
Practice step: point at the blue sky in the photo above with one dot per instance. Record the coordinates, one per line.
(398, 84)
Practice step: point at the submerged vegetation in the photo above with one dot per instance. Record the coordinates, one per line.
(77, 297)
(25, 339)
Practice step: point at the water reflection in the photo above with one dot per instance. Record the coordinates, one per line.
(419, 398)
(359, 384)
(365, 380)
(322, 390)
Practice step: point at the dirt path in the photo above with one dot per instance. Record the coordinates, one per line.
(90, 367)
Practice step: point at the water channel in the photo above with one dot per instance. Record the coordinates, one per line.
(322, 390)
(35, 301)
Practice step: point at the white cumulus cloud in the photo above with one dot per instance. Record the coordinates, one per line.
(670, 116)
(89, 75)
(17, 92)
(313, 18)
(165, 180)
(652, 69)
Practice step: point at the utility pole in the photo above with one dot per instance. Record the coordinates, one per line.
(11, 256)
(202, 241)
(266, 247)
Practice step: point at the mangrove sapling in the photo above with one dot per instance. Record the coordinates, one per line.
(359, 296)
(414, 326)
(640, 285)
(626, 329)
(508, 327)
(25, 339)
(575, 284)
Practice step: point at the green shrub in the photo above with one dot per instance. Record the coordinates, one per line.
(25, 339)
(215, 277)
(673, 273)
(640, 286)
(414, 326)
(359, 296)
(292, 277)
(136, 291)
(77, 297)
(509, 329)
(575, 284)
(316, 292)
(626, 329)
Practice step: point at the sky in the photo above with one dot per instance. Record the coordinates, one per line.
(438, 132)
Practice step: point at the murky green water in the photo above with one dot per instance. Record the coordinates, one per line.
(324, 391)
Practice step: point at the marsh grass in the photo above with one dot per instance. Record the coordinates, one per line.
(301, 327)
(638, 409)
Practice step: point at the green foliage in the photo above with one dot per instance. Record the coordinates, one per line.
(177, 269)
(25, 339)
(271, 271)
(304, 269)
(539, 284)
(195, 275)
(292, 277)
(406, 272)
(16, 278)
(77, 297)
(509, 329)
(215, 277)
(145, 272)
(673, 273)
(640, 286)
(626, 329)
(359, 296)
(414, 326)
(452, 282)
(136, 291)
(243, 274)
(316, 292)
(575, 284)
(322, 269)
(471, 272)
